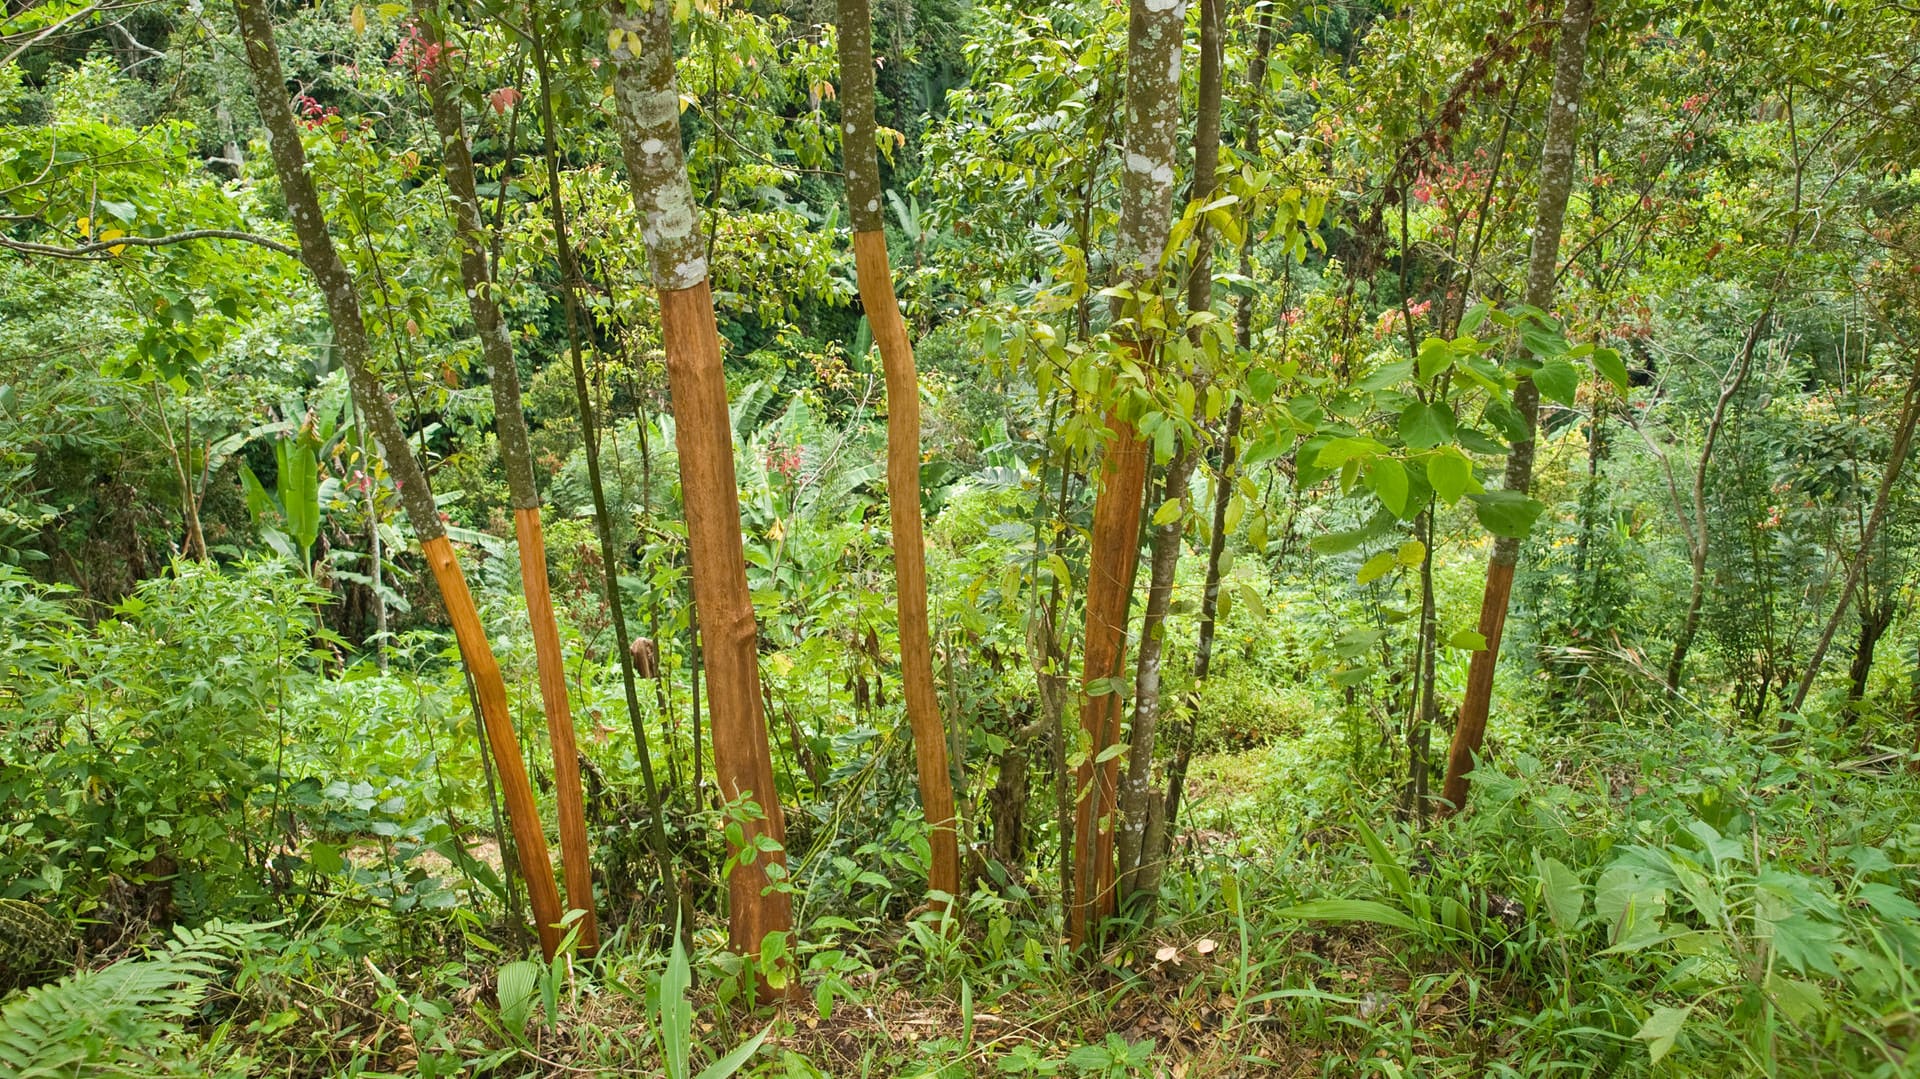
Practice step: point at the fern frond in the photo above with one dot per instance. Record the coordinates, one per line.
(108, 1020)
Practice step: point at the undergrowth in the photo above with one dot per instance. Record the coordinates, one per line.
(1667, 901)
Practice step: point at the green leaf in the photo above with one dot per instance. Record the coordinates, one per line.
(515, 986)
(1799, 1000)
(674, 1021)
(1806, 944)
(325, 859)
(731, 1063)
(1168, 512)
(299, 491)
(1411, 553)
(1260, 385)
(1475, 315)
(1610, 366)
(1467, 640)
(1338, 451)
(1424, 426)
(1451, 475)
(1376, 567)
(1509, 514)
(1661, 1028)
(1349, 910)
(1558, 380)
(1436, 355)
(260, 505)
(1390, 484)
(1560, 888)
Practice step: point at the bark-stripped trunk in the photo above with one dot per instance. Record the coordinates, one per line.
(1146, 202)
(647, 114)
(1543, 266)
(602, 520)
(903, 442)
(516, 459)
(343, 309)
(1114, 556)
(1856, 567)
(1141, 805)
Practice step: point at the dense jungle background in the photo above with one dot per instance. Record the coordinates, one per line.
(959, 537)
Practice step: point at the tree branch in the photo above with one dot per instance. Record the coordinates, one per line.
(93, 250)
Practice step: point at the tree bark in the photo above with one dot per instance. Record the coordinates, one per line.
(1875, 617)
(1161, 845)
(875, 277)
(1112, 560)
(516, 459)
(1154, 30)
(1543, 265)
(343, 309)
(647, 115)
(1138, 797)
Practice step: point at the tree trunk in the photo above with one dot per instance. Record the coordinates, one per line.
(1139, 801)
(343, 309)
(647, 114)
(1543, 265)
(1874, 620)
(516, 459)
(1896, 458)
(1696, 532)
(1222, 495)
(903, 443)
(1154, 30)
(1112, 560)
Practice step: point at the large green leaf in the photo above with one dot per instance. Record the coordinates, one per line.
(1560, 888)
(1451, 475)
(1506, 513)
(1349, 910)
(1390, 484)
(1661, 1028)
(1558, 381)
(1424, 426)
(515, 987)
(299, 491)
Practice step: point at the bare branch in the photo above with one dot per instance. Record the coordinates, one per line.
(93, 250)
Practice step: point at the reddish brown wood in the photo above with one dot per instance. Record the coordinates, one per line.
(575, 858)
(1112, 561)
(703, 433)
(909, 554)
(1471, 728)
(523, 815)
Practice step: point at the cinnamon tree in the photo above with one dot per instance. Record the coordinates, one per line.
(516, 460)
(1154, 31)
(647, 116)
(889, 329)
(342, 298)
(1543, 270)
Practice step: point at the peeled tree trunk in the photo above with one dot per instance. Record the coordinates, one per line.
(1142, 807)
(516, 459)
(647, 115)
(1543, 264)
(350, 336)
(903, 442)
(1154, 29)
